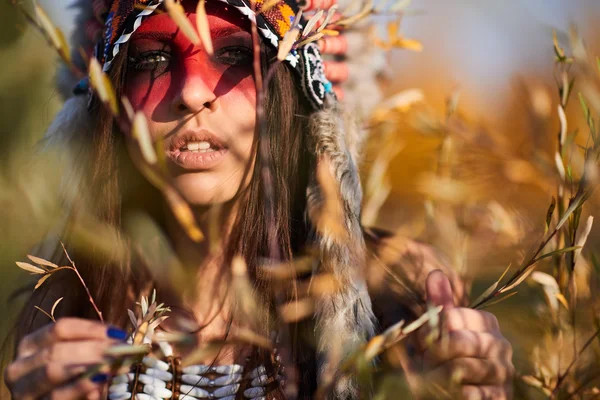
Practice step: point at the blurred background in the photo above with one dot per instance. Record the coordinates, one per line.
(494, 54)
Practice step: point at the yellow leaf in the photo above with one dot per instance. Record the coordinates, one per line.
(103, 86)
(562, 300)
(419, 322)
(177, 14)
(55, 35)
(203, 27)
(247, 336)
(296, 310)
(330, 15)
(287, 43)
(142, 135)
(54, 306)
(202, 354)
(42, 280)
(41, 261)
(521, 278)
(30, 268)
(328, 219)
(330, 32)
(183, 214)
(408, 44)
(313, 38)
(393, 28)
(311, 23)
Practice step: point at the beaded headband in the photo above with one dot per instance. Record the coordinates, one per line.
(123, 17)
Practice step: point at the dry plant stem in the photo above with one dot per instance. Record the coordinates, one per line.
(87, 290)
(76, 71)
(533, 259)
(562, 376)
(582, 386)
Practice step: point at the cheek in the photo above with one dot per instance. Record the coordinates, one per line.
(145, 93)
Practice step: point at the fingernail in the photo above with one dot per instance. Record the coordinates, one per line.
(99, 378)
(116, 333)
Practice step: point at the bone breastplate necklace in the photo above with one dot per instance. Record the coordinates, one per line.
(155, 379)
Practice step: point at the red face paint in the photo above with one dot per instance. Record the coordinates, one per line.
(201, 106)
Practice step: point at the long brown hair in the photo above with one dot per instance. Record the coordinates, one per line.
(116, 188)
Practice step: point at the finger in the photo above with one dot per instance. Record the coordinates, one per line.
(468, 319)
(83, 388)
(473, 371)
(439, 290)
(463, 343)
(78, 356)
(472, 392)
(66, 329)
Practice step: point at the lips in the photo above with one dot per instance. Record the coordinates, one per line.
(196, 150)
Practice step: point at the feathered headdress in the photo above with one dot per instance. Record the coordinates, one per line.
(344, 319)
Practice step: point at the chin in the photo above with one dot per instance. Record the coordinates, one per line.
(205, 189)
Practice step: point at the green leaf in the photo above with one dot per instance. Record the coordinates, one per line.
(498, 300)
(557, 252)
(584, 106)
(485, 294)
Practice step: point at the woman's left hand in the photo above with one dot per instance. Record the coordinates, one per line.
(469, 350)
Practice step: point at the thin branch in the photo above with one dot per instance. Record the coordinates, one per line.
(562, 377)
(90, 298)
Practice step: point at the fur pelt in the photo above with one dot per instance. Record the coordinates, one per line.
(344, 320)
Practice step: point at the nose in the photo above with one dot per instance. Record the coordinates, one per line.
(194, 96)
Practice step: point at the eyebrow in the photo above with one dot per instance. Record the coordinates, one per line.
(162, 36)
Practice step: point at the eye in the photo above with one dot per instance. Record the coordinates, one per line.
(234, 55)
(150, 60)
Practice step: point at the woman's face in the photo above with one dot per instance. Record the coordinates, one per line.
(201, 107)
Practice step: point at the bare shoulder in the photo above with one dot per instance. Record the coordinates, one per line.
(397, 268)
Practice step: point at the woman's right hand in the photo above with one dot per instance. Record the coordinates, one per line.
(49, 361)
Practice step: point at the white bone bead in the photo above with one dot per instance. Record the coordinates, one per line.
(160, 374)
(198, 380)
(159, 392)
(254, 392)
(256, 372)
(226, 390)
(149, 380)
(229, 369)
(119, 396)
(196, 369)
(260, 381)
(124, 378)
(118, 388)
(143, 396)
(193, 391)
(155, 363)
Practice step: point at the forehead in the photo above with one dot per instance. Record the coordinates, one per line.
(221, 16)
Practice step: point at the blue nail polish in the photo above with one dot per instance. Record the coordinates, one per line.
(99, 378)
(116, 333)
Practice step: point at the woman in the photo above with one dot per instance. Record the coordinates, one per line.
(272, 187)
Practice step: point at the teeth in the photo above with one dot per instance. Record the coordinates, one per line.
(195, 146)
